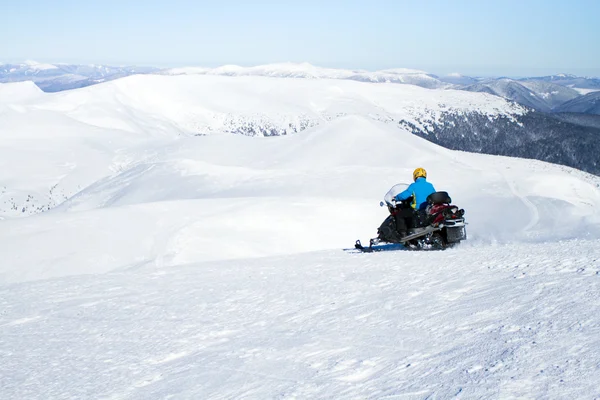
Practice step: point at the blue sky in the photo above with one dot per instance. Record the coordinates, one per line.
(526, 37)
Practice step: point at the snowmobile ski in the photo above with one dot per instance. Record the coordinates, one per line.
(374, 246)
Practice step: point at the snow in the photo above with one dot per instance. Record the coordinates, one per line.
(19, 92)
(182, 266)
(565, 76)
(547, 95)
(523, 323)
(586, 91)
(306, 70)
(205, 104)
(404, 71)
(36, 66)
(297, 70)
(187, 71)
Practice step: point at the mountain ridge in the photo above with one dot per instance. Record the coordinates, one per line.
(252, 105)
(545, 93)
(98, 119)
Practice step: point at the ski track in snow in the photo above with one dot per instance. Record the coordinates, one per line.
(535, 215)
(321, 325)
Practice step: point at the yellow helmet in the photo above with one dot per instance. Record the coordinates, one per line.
(419, 173)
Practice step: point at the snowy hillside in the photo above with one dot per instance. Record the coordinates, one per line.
(139, 108)
(131, 110)
(254, 106)
(17, 92)
(539, 95)
(588, 104)
(554, 95)
(211, 266)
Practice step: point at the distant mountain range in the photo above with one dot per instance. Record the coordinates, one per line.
(587, 104)
(569, 81)
(539, 95)
(551, 118)
(554, 93)
(308, 71)
(59, 77)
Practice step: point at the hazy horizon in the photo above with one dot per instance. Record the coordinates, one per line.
(506, 38)
(540, 72)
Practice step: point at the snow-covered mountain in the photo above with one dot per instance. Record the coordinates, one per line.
(158, 106)
(552, 94)
(171, 265)
(182, 266)
(202, 104)
(539, 95)
(132, 141)
(569, 80)
(308, 71)
(181, 106)
(544, 94)
(58, 77)
(588, 104)
(258, 106)
(459, 79)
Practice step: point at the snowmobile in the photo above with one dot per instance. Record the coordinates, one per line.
(440, 226)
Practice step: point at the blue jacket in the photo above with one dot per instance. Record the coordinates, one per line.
(420, 189)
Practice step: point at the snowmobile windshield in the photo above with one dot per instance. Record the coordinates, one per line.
(399, 188)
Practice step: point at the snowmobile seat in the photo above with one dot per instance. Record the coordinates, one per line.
(439, 198)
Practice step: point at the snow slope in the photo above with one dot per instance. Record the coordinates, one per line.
(15, 93)
(212, 266)
(108, 125)
(202, 104)
(505, 321)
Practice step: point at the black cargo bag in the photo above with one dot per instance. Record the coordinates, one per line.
(439, 198)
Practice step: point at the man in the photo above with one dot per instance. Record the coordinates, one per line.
(419, 190)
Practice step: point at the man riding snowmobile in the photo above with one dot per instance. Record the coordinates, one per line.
(419, 218)
(420, 189)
